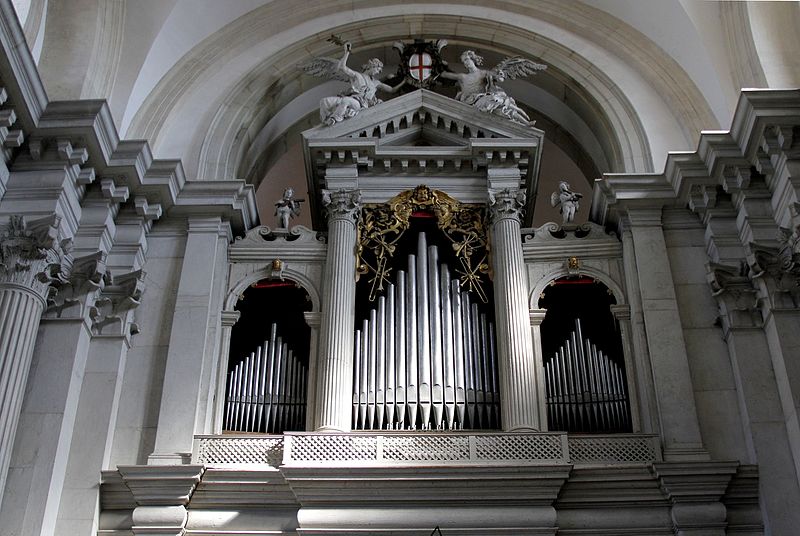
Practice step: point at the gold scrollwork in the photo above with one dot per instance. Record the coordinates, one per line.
(381, 226)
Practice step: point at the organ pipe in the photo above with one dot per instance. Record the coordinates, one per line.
(267, 390)
(586, 390)
(431, 354)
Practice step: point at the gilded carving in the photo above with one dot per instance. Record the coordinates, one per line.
(383, 225)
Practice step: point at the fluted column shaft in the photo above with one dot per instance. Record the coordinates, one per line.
(29, 256)
(335, 374)
(518, 379)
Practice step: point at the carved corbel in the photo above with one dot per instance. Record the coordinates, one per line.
(114, 308)
(736, 296)
(778, 268)
(78, 287)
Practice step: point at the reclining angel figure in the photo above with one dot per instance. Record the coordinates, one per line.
(479, 88)
(363, 85)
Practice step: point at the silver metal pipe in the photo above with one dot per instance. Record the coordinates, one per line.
(256, 390)
(448, 365)
(389, 369)
(380, 365)
(373, 356)
(412, 352)
(364, 386)
(480, 396)
(276, 385)
(424, 335)
(458, 352)
(400, 353)
(357, 359)
(469, 348)
(435, 319)
(495, 386)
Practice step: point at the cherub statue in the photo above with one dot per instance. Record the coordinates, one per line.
(288, 207)
(567, 200)
(479, 88)
(363, 85)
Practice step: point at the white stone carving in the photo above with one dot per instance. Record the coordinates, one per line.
(287, 207)
(479, 87)
(567, 201)
(363, 89)
(115, 305)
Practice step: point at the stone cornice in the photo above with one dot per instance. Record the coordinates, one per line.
(25, 88)
(684, 171)
(466, 143)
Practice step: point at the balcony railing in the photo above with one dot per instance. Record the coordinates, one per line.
(370, 449)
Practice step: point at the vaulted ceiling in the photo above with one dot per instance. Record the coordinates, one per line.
(216, 84)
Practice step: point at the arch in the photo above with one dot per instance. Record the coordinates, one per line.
(297, 277)
(662, 91)
(549, 277)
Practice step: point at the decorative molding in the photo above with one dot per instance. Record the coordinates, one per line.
(382, 226)
(76, 291)
(735, 293)
(264, 235)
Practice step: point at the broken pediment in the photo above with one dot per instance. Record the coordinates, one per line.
(422, 138)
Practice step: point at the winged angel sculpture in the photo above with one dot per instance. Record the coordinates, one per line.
(479, 88)
(363, 89)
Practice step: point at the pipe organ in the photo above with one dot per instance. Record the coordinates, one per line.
(267, 390)
(586, 390)
(425, 356)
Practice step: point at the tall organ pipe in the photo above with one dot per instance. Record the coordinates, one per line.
(586, 390)
(430, 354)
(267, 390)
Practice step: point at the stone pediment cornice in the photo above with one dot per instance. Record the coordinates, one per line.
(424, 136)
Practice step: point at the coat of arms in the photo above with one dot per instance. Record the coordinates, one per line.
(421, 62)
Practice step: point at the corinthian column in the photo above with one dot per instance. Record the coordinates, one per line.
(518, 384)
(335, 375)
(29, 260)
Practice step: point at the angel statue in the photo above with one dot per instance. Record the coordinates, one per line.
(287, 207)
(479, 88)
(363, 85)
(567, 200)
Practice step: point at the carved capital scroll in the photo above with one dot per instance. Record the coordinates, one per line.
(31, 255)
(342, 204)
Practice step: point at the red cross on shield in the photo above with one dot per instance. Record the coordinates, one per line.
(420, 66)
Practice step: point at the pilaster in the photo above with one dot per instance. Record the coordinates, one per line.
(189, 344)
(520, 382)
(760, 399)
(673, 383)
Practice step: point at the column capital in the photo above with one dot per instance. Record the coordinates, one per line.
(31, 255)
(508, 203)
(342, 204)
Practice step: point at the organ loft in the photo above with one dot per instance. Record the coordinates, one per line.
(467, 299)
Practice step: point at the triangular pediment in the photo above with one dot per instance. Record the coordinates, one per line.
(424, 116)
(421, 138)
